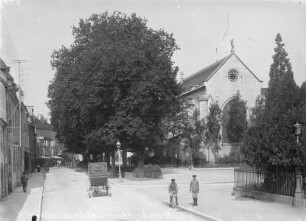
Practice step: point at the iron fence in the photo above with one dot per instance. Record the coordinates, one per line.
(276, 182)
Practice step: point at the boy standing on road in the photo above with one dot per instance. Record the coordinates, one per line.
(173, 189)
(194, 189)
(24, 181)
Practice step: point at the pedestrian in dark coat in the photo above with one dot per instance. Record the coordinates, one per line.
(24, 181)
(38, 168)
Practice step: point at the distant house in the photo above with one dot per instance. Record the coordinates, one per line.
(48, 147)
(219, 82)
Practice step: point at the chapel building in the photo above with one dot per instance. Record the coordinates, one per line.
(220, 82)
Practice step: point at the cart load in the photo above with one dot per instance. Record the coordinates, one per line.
(98, 178)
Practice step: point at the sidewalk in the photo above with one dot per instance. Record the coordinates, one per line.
(216, 201)
(22, 206)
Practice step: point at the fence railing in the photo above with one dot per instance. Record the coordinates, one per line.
(276, 182)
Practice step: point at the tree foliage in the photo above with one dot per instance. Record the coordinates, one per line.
(237, 122)
(213, 125)
(193, 133)
(116, 81)
(270, 141)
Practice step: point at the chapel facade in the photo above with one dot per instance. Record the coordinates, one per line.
(220, 82)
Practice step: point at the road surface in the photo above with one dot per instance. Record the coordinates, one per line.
(65, 198)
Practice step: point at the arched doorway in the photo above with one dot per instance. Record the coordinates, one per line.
(225, 120)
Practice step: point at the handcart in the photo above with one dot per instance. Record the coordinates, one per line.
(98, 178)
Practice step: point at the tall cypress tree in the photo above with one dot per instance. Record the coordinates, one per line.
(282, 91)
(271, 137)
(280, 108)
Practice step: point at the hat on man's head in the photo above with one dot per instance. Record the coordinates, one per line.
(194, 175)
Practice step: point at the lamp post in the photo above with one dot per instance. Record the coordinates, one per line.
(118, 144)
(298, 195)
(298, 131)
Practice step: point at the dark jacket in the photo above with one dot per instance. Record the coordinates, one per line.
(173, 188)
(24, 179)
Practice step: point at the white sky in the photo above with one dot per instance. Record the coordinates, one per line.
(31, 29)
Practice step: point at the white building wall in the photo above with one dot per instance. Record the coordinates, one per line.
(2, 102)
(219, 88)
(222, 89)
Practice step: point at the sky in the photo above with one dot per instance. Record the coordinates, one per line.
(30, 30)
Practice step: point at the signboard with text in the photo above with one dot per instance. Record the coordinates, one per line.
(96, 169)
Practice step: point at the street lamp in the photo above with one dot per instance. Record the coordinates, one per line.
(298, 195)
(297, 131)
(118, 144)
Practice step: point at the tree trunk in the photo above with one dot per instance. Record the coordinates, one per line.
(124, 158)
(208, 155)
(177, 156)
(191, 160)
(113, 161)
(172, 154)
(107, 159)
(191, 157)
(140, 156)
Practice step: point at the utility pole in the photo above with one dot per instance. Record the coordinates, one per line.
(20, 95)
(20, 152)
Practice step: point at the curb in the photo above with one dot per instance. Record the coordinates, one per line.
(42, 197)
(202, 215)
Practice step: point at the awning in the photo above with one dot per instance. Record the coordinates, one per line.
(57, 157)
(43, 157)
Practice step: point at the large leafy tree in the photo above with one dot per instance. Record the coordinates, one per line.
(193, 133)
(116, 81)
(65, 109)
(173, 128)
(270, 141)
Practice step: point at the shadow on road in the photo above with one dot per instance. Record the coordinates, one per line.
(17, 200)
(100, 194)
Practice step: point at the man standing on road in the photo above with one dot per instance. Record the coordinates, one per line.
(24, 181)
(194, 189)
(173, 189)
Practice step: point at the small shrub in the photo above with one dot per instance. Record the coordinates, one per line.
(231, 159)
(114, 172)
(152, 171)
(138, 172)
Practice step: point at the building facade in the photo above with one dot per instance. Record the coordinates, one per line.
(220, 82)
(4, 150)
(15, 133)
(48, 148)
